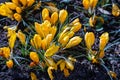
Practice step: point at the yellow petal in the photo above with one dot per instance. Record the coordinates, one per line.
(89, 39)
(76, 27)
(50, 62)
(39, 29)
(44, 44)
(113, 74)
(53, 31)
(93, 3)
(62, 65)
(49, 70)
(63, 15)
(18, 10)
(66, 72)
(70, 34)
(45, 14)
(115, 10)
(16, 2)
(6, 52)
(54, 17)
(102, 54)
(21, 37)
(9, 63)
(30, 2)
(49, 39)
(104, 38)
(73, 42)
(11, 5)
(64, 41)
(17, 17)
(34, 56)
(92, 21)
(37, 41)
(51, 50)
(33, 76)
(12, 40)
(75, 21)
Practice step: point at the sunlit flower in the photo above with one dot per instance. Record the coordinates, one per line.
(23, 2)
(11, 5)
(115, 10)
(45, 14)
(54, 17)
(89, 39)
(34, 56)
(63, 15)
(18, 10)
(73, 42)
(21, 37)
(17, 17)
(12, 40)
(104, 38)
(9, 63)
(30, 2)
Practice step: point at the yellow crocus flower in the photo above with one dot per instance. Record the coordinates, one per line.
(89, 39)
(21, 37)
(54, 17)
(64, 41)
(36, 41)
(53, 31)
(93, 3)
(45, 14)
(18, 10)
(51, 50)
(63, 15)
(39, 29)
(73, 42)
(62, 65)
(6, 52)
(44, 44)
(23, 2)
(104, 38)
(101, 54)
(11, 5)
(9, 63)
(75, 21)
(69, 65)
(70, 34)
(50, 62)
(76, 27)
(34, 56)
(86, 4)
(49, 38)
(30, 2)
(17, 17)
(12, 40)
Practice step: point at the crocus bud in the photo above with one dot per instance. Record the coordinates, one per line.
(9, 63)
(21, 37)
(17, 17)
(34, 56)
(16, 2)
(51, 50)
(104, 38)
(12, 40)
(86, 4)
(73, 42)
(54, 17)
(76, 27)
(69, 65)
(93, 3)
(64, 41)
(62, 16)
(45, 14)
(6, 52)
(89, 39)
(44, 44)
(18, 10)
(11, 5)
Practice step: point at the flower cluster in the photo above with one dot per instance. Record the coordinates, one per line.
(14, 9)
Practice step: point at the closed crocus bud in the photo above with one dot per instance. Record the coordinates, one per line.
(51, 50)
(86, 4)
(53, 31)
(12, 40)
(9, 63)
(49, 39)
(30, 2)
(54, 17)
(44, 44)
(70, 34)
(75, 21)
(39, 30)
(73, 42)
(21, 37)
(63, 15)
(34, 56)
(76, 27)
(16, 2)
(11, 5)
(101, 54)
(115, 10)
(45, 14)
(6, 52)
(64, 41)
(36, 41)
(17, 17)
(89, 39)
(104, 38)
(23, 2)
(18, 10)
